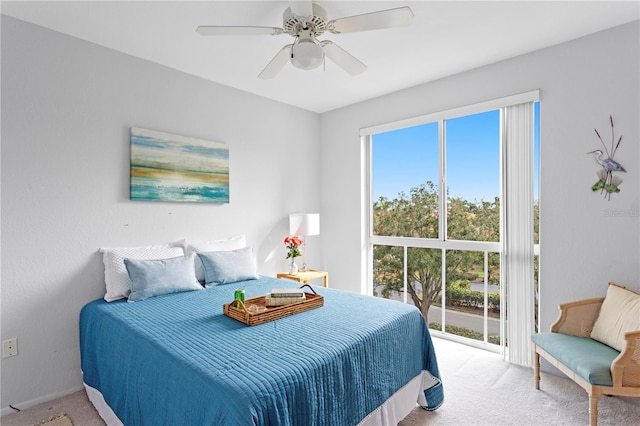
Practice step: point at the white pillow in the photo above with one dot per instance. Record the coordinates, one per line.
(116, 277)
(619, 314)
(229, 244)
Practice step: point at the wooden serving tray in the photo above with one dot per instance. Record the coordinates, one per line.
(270, 313)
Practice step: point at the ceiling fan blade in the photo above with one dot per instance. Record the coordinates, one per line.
(277, 63)
(391, 18)
(224, 30)
(342, 58)
(301, 8)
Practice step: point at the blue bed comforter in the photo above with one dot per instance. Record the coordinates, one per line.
(177, 360)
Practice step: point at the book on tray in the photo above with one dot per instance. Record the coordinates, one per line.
(284, 296)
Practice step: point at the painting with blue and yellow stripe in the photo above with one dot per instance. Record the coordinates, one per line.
(167, 167)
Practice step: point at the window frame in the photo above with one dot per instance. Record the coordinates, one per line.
(442, 242)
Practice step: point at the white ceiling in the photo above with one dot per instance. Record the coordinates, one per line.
(446, 37)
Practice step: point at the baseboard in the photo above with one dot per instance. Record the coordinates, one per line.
(28, 404)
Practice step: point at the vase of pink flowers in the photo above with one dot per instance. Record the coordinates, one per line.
(293, 244)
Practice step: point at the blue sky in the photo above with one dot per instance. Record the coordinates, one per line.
(405, 158)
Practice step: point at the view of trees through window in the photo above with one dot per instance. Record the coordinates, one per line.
(440, 250)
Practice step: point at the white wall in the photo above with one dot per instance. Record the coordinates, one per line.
(585, 240)
(67, 106)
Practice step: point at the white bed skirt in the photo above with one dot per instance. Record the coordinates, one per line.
(392, 411)
(107, 414)
(396, 408)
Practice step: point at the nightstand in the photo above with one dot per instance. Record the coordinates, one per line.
(304, 277)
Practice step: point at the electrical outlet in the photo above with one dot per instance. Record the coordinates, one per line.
(9, 347)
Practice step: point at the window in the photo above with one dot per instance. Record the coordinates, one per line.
(438, 203)
(405, 165)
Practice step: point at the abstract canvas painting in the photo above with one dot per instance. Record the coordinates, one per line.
(167, 167)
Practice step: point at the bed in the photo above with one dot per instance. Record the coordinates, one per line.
(176, 359)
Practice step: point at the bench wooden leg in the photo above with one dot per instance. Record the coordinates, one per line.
(593, 410)
(536, 368)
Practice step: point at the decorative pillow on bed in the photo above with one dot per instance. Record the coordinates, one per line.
(150, 278)
(229, 244)
(116, 277)
(619, 314)
(224, 267)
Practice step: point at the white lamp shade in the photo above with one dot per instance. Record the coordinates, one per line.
(306, 55)
(303, 224)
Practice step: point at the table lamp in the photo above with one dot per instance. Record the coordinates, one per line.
(303, 225)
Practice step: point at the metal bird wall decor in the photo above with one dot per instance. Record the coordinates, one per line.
(607, 182)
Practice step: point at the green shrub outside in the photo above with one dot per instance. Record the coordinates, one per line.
(465, 332)
(459, 293)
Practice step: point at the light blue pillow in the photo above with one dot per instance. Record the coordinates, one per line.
(225, 267)
(150, 278)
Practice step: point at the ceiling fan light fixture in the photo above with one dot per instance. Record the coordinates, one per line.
(307, 54)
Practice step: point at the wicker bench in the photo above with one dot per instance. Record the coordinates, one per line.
(597, 367)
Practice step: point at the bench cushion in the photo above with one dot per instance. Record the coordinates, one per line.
(586, 357)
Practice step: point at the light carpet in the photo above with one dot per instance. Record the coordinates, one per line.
(76, 406)
(59, 420)
(480, 388)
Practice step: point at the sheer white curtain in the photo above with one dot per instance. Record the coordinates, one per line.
(518, 250)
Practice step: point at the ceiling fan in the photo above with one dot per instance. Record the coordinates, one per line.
(305, 21)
